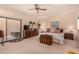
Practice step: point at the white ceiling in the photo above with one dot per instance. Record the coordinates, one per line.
(52, 9)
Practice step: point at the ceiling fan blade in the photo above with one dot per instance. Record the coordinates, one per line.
(31, 9)
(43, 9)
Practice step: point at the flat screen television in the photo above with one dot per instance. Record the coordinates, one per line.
(26, 27)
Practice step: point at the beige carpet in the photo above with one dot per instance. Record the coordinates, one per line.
(33, 45)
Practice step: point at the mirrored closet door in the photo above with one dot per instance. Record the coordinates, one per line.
(13, 29)
(10, 29)
(2, 29)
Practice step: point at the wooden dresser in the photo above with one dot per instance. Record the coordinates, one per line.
(68, 36)
(30, 33)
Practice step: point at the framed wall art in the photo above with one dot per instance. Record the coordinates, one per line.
(55, 24)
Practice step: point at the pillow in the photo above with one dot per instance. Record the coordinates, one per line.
(58, 30)
(48, 30)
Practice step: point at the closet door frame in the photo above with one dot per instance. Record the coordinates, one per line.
(7, 26)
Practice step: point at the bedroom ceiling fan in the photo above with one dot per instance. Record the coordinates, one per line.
(37, 8)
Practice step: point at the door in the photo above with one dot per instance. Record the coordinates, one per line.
(2, 29)
(13, 29)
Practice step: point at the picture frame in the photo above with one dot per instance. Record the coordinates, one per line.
(55, 24)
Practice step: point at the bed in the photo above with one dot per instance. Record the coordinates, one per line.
(57, 37)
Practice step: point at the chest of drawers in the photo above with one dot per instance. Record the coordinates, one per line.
(68, 36)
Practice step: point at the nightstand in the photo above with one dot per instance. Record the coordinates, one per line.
(68, 36)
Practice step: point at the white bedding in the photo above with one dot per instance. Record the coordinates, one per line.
(57, 37)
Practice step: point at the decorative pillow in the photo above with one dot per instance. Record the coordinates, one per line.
(48, 30)
(58, 30)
